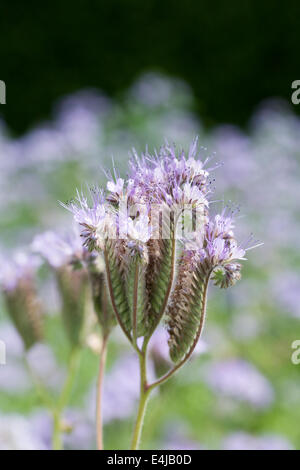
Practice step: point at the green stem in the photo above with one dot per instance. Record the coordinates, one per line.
(69, 382)
(99, 423)
(144, 395)
(56, 436)
(64, 398)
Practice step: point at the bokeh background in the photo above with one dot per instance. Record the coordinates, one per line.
(85, 84)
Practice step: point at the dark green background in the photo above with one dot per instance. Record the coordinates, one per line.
(233, 54)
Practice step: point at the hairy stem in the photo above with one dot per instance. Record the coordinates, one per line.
(99, 420)
(144, 395)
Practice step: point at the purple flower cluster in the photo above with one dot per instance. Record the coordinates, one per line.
(159, 186)
(170, 178)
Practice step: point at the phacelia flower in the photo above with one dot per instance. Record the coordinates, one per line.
(90, 216)
(116, 189)
(160, 244)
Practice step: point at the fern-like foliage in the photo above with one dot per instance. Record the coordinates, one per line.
(186, 311)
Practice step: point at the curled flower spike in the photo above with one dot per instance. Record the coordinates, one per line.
(227, 275)
(210, 253)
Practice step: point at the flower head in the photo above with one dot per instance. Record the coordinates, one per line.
(116, 189)
(91, 216)
(217, 243)
(139, 229)
(171, 178)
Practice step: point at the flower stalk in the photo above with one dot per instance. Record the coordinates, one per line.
(64, 398)
(99, 417)
(144, 396)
